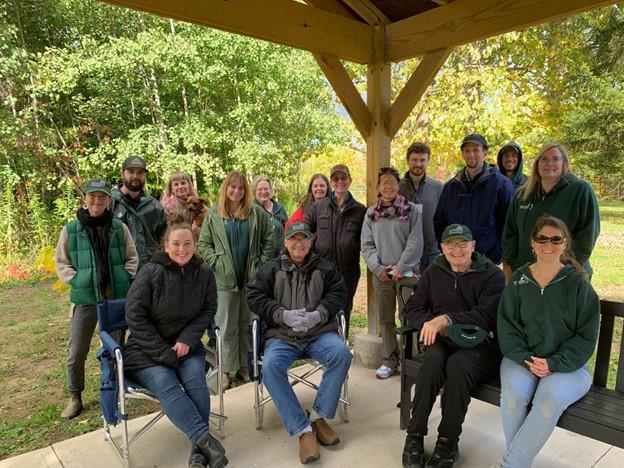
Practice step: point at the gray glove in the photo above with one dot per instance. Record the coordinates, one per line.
(308, 320)
(293, 318)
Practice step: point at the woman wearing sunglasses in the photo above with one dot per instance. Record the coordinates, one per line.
(391, 244)
(547, 330)
(551, 189)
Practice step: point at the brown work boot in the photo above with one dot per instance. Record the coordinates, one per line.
(309, 450)
(73, 407)
(324, 433)
(225, 379)
(244, 375)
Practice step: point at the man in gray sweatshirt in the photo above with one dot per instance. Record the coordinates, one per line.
(421, 189)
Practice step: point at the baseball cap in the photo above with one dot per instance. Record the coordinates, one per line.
(134, 162)
(297, 228)
(456, 231)
(97, 185)
(339, 168)
(467, 336)
(474, 138)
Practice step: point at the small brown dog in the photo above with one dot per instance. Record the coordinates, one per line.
(197, 209)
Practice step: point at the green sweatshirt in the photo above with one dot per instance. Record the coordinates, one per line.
(558, 322)
(573, 201)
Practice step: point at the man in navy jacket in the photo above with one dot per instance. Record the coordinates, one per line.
(478, 197)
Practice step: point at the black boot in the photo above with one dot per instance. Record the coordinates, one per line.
(197, 458)
(213, 450)
(414, 451)
(445, 453)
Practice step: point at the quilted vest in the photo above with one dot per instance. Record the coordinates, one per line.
(84, 283)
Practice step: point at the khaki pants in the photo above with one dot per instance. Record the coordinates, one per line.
(386, 300)
(233, 318)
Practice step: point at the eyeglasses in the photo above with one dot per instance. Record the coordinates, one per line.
(455, 245)
(339, 178)
(555, 240)
(555, 160)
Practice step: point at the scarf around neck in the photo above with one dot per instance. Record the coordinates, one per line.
(98, 229)
(400, 208)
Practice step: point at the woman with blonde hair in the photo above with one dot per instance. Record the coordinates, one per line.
(551, 189)
(179, 188)
(262, 189)
(236, 239)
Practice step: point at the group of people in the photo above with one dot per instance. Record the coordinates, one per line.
(298, 273)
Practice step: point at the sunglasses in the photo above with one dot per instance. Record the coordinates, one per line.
(555, 240)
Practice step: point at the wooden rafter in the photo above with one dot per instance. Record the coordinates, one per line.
(368, 11)
(464, 21)
(333, 6)
(415, 88)
(282, 21)
(346, 91)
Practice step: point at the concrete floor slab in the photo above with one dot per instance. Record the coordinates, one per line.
(371, 439)
(45, 458)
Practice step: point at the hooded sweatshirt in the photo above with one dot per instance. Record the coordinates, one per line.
(470, 297)
(572, 200)
(519, 178)
(558, 322)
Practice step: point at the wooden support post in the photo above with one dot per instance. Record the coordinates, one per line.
(378, 143)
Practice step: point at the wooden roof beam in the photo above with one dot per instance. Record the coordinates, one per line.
(464, 21)
(282, 21)
(415, 88)
(368, 12)
(346, 91)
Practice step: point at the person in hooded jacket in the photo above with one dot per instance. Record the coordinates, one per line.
(298, 296)
(551, 189)
(548, 321)
(460, 287)
(169, 307)
(478, 197)
(97, 257)
(509, 163)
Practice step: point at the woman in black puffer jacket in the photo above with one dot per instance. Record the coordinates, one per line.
(169, 307)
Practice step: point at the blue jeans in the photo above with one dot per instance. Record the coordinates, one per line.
(279, 355)
(527, 432)
(182, 393)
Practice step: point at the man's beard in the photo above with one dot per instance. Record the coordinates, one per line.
(417, 172)
(133, 186)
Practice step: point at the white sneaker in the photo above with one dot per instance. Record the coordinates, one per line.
(384, 372)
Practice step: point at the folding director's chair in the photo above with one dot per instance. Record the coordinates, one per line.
(117, 389)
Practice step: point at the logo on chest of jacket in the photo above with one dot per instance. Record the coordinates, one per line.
(524, 279)
(528, 206)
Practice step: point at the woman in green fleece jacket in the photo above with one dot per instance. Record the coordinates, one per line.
(236, 239)
(547, 330)
(551, 189)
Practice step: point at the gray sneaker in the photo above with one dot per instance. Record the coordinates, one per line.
(384, 372)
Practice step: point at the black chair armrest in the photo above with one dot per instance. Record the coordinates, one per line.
(406, 330)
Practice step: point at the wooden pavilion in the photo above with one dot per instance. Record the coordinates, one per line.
(375, 33)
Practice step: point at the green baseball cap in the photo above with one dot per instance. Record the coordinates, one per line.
(456, 231)
(467, 336)
(297, 228)
(97, 185)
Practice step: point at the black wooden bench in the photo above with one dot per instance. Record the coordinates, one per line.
(599, 415)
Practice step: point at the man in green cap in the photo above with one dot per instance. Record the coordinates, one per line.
(142, 213)
(96, 256)
(298, 296)
(460, 287)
